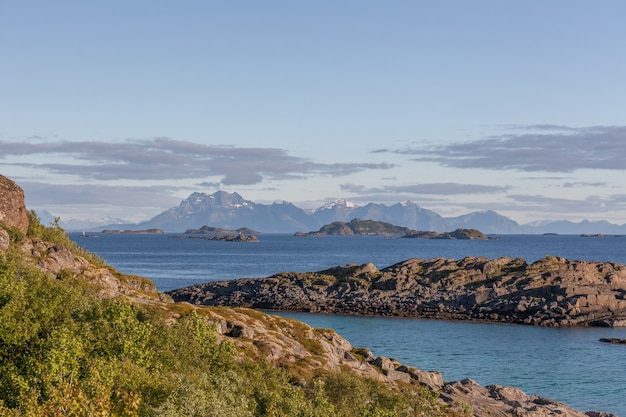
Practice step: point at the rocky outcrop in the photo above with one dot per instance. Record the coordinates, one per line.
(613, 341)
(59, 261)
(469, 398)
(12, 208)
(550, 292)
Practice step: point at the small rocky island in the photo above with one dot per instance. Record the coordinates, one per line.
(613, 341)
(210, 230)
(133, 232)
(242, 234)
(226, 238)
(458, 234)
(358, 227)
(553, 291)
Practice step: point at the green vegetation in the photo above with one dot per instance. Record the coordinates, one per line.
(66, 352)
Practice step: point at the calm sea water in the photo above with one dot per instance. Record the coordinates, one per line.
(568, 365)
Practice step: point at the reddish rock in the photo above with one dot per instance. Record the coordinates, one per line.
(12, 208)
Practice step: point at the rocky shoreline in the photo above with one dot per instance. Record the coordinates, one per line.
(553, 291)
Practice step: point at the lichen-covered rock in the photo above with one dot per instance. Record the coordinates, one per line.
(58, 260)
(12, 208)
(467, 397)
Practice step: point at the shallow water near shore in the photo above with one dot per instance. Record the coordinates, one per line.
(569, 365)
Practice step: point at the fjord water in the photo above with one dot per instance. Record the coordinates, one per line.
(569, 365)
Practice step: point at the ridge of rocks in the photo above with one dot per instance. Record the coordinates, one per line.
(552, 291)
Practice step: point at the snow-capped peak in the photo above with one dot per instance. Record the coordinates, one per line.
(339, 203)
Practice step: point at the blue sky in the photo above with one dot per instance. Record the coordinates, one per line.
(124, 108)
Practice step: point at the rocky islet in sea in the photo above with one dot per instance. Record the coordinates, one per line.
(553, 291)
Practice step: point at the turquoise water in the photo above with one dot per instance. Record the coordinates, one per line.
(568, 365)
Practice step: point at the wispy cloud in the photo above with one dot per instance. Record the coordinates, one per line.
(559, 206)
(584, 184)
(169, 159)
(45, 194)
(447, 188)
(553, 149)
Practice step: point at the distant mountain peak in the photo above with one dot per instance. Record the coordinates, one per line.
(232, 211)
(217, 199)
(339, 203)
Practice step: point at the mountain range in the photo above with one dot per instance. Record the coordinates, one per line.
(232, 211)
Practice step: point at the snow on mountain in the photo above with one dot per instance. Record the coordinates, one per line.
(337, 204)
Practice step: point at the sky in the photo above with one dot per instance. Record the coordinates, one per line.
(124, 108)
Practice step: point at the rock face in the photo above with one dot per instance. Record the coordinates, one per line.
(550, 292)
(12, 208)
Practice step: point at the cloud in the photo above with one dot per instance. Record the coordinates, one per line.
(169, 159)
(560, 206)
(45, 194)
(584, 184)
(554, 149)
(447, 188)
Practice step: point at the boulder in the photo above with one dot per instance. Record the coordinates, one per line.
(12, 207)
